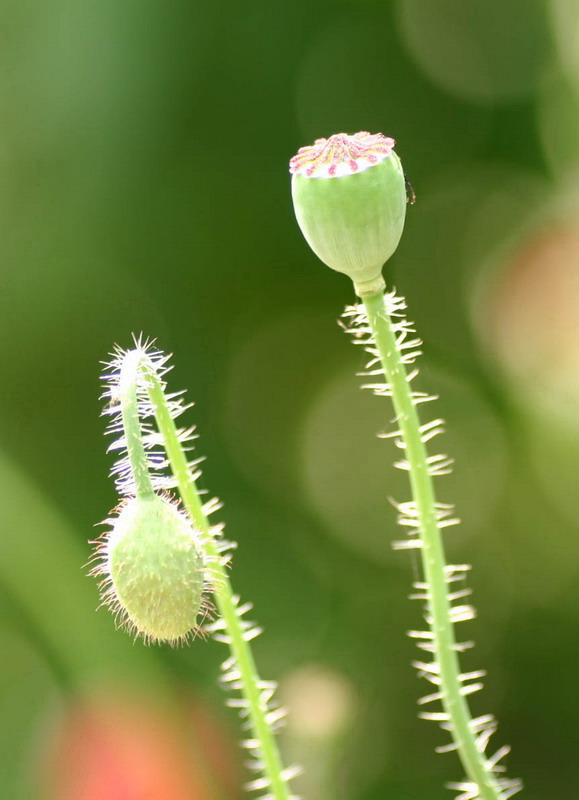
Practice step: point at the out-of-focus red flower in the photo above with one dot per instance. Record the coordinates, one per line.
(533, 316)
(118, 749)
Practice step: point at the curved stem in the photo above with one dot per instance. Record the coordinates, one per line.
(128, 381)
(224, 597)
(432, 550)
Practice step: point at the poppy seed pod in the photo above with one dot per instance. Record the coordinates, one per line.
(154, 569)
(349, 198)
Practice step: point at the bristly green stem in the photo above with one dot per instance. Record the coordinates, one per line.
(224, 597)
(432, 550)
(128, 380)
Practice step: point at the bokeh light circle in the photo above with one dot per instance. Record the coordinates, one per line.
(485, 51)
(526, 310)
(565, 24)
(348, 473)
(557, 113)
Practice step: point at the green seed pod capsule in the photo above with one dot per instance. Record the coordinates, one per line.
(349, 198)
(154, 569)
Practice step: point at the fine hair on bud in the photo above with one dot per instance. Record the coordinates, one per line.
(153, 570)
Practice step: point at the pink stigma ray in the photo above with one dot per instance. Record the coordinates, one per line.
(341, 154)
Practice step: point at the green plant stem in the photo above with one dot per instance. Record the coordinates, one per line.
(224, 597)
(432, 550)
(132, 424)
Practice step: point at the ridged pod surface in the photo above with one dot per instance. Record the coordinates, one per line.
(349, 197)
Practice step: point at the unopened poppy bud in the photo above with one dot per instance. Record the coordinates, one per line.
(154, 569)
(349, 197)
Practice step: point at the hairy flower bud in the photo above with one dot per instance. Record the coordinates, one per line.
(154, 569)
(349, 197)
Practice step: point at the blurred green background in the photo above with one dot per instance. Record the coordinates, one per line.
(144, 188)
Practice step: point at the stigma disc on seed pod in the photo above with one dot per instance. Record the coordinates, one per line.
(154, 569)
(349, 198)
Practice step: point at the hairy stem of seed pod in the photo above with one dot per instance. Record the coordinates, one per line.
(223, 593)
(128, 379)
(432, 550)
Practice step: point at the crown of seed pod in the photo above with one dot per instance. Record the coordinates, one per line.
(349, 198)
(153, 569)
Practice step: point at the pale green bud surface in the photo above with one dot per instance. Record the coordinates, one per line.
(155, 569)
(349, 197)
